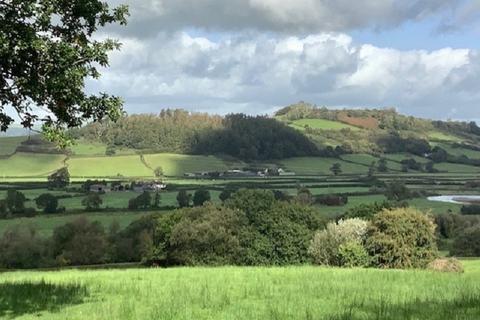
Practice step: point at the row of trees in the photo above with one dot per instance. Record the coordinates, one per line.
(251, 227)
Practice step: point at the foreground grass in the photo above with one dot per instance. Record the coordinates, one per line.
(241, 293)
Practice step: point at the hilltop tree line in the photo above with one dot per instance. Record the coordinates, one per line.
(237, 135)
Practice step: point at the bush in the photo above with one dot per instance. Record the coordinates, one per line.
(325, 246)
(401, 238)
(353, 254)
(467, 244)
(446, 265)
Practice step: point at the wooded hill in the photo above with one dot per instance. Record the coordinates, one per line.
(297, 130)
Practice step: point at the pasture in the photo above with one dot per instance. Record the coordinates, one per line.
(30, 165)
(302, 292)
(117, 166)
(321, 124)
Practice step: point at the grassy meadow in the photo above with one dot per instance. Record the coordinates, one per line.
(321, 124)
(302, 292)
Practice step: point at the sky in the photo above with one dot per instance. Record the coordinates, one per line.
(255, 56)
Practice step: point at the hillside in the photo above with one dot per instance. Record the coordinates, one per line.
(301, 138)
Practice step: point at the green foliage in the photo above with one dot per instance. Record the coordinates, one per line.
(467, 244)
(15, 202)
(336, 168)
(401, 238)
(256, 138)
(353, 254)
(184, 199)
(92, 202)
(207, 236)
(252, 232)
(22, 248)
(382, 165)
(336, 244)
(45, 63)
(158, 172)
(200, 197)
(397, 191)
(367, 210)
(110, 151)
(304, 196)
(59, 179)
(47, 202)
(80, 243)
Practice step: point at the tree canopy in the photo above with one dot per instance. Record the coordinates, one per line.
(47, 51)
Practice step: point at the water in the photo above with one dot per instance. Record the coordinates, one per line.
(459, 199)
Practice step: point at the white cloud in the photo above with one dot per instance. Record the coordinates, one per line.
(255, 74)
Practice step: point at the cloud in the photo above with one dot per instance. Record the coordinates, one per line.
(256, 74)
(285, 16)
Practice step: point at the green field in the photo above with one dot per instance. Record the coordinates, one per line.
(321, 124)
(321, 166)
(8, 145)
(127, 166)
(242, 293)
(178, 164)
(90, 148)
(44, 224)
(441, 136)
(30, 165)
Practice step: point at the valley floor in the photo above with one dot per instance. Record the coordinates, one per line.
(241, 293)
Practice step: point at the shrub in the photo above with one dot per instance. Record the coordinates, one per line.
(401, 238)
(353, 254)
(467, 244)
(446, 265)
(325, 246)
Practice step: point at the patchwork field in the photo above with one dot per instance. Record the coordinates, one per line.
(242, 293)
